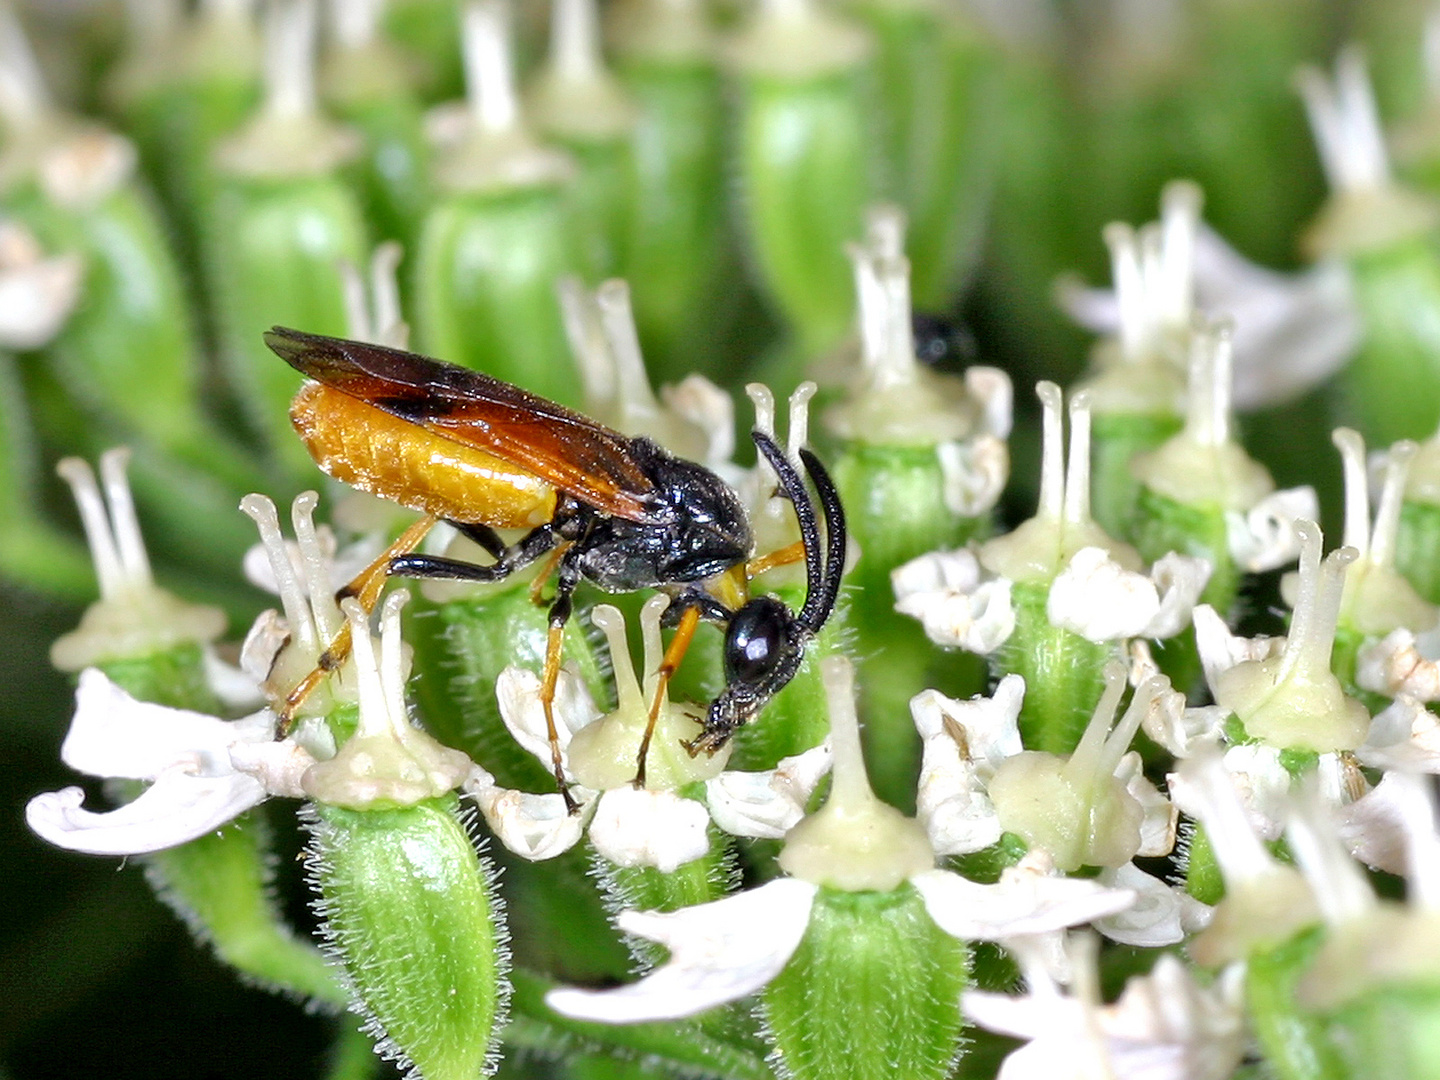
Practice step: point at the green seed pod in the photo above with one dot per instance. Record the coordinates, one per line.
(464, 635)
(821, 1011)
(805, 161)
(152, 645)
(1391, 389)
(679, 258)
(576, 102)
(411, 912)
(283, 220)
(497, 239)
(923, 461)
(1417, 539)
(939, 82)
(365, 81)
(183, 85)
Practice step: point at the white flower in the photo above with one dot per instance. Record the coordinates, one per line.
(37, 294)
(1401, 664)
(730, 948)
(1165, 1026)
(1404, 735)
(191, 761)
(945, 592)
(651, 826)
(1292, 331)
(1264, 537)
(1100, 600)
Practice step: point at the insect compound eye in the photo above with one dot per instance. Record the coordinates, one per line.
(756, 640)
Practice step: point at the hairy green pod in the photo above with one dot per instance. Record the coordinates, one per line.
(32, 553)
(1295, 1043)
(369, 88)
(938, 80)
(1417, 547)
(277, 244)
(678, 254)
(461, 646)
(868, 955)
(804, 152)
(1391, 388)
(1115, 441)
(895, 509)
(1064, 673)
(411, 913)
(485, 278)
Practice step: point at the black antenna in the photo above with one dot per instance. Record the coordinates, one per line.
(794, 489)
(818, 606)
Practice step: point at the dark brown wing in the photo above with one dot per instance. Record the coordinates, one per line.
(577, 455)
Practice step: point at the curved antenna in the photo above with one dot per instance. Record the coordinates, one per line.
(817, 610)
(794, 489)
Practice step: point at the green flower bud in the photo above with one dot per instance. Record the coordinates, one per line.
(497, 239)
(804, 159)
(938, 78)
(410, 912)
(1417, 537)
(1384, 232)
(576, 102)
(365, 81)
(679, 259)
(283, 220)
(923, 461)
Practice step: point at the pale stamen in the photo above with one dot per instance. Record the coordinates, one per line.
(374, 316)
(1317, 606)
(575, 40)
(628, 695)
(313, 558)
(392, 659)
(587, 342)
(850, 789)
(1238, 851)
(1129, 285)
(798, 433)
(489, 70)
(134, 562)
(634, 395)
(1346, 124)
(764, 402)
(289, 68)
(293, 598)
(375, 718)
(104, 550)
(1180, 205)
(1357, 488)
(1085, 763)
(1336, 880)
(1392, 499)
(654, 645)
(1052, 460)
(1077, 478)
(1207, 417)
(1416, 802)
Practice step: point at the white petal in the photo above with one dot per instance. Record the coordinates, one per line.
(1022, 902)
(945, 592)
(1264, 537)
(36, 299)
(1404, 735)
(1262, 784)
(1155, 918)
(1029, 1017)
(1157, 825)
(973, 473)
(535, 827)
(991, 387)
(175, 809)
(1097, 598)
(698, 400)
(279, 766)
(1221, 650)
(636, 827)
(517, 690)
(1179, 729)
(990, 725)
(719, 952)
(1180, 579)
(1292, 331)
(263, 642)
(767, 804)
(112, 734)
(1397, 664)
(1373, 827)
(1165, 1025)
(232, 685)
(951, 801)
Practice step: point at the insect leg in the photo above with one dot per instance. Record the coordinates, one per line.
(791, 553)
(364, 587)
(483, 535)
(685, 632)
(566, 581)
(525, 551)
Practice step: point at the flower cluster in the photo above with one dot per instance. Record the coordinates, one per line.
(1111, 780)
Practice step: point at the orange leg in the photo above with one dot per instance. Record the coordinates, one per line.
(553, 641)
(365, 587)
(684, 633)
(785, 556)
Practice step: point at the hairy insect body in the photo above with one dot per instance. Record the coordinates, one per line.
(376, 452)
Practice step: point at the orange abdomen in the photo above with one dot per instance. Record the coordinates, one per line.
(371, 450)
